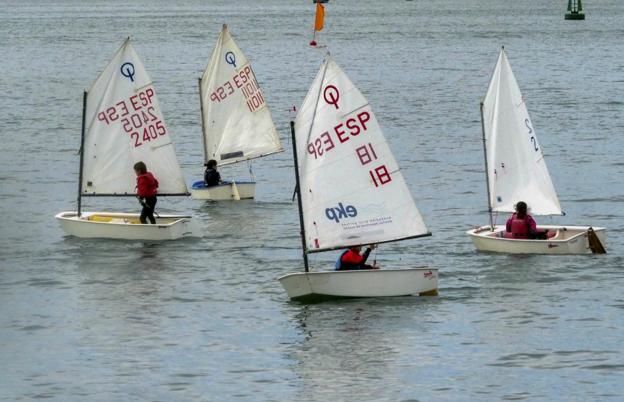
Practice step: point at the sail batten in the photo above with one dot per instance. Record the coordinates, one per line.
(352, 189)
(515, 162)
(125, 125)
(236, 121)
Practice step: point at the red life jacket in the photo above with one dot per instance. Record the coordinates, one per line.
(351, 260)
(147, 185)
(520, 227)
(351, 257)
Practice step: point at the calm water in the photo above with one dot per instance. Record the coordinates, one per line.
(205, 319)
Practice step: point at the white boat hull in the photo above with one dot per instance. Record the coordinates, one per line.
(227, 191)
(313, 286)
(111, 225)
(568, 240)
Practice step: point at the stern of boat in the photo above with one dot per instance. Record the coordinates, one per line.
(227, 191)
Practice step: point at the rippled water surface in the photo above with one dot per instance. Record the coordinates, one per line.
(205, 319)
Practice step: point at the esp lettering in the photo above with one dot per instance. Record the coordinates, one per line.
(340, 212)
(120, 110)
(343, 132)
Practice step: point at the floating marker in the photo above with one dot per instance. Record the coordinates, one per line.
(575, 10)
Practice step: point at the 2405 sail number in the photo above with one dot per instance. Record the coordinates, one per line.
(137, 116)
(146, 123)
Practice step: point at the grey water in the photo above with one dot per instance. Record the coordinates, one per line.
(205, 319)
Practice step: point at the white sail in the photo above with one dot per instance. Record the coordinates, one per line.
(236, 120)
(351, 187)
(516, 167)
(124, 125)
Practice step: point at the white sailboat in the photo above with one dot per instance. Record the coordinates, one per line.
(350, 192)
(236, 121)
(516, 171)
(122, 124)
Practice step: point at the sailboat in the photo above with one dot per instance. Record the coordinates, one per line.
(122, 124)
(575, 10)
(236, 121)
(516, 171)
(350, 192)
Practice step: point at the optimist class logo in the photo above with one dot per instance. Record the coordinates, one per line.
(230, 59)
(331, 95)
(127, 70)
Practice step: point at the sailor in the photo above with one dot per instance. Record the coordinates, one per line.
(147, 188)
(521, 225)
(211, 176)
(351, 259)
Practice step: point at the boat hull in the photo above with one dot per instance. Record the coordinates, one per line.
(568, 240)
(126, 226)
(227, 191)
(317, 286)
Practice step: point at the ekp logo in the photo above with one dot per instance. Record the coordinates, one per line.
(340, 212)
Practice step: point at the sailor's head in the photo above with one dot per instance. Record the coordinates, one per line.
(356, 249)
(211, 164)
(140, 168)
(521, 208)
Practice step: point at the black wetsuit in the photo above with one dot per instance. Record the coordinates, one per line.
(149, 204)
(212, 177)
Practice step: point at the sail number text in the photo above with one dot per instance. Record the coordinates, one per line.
(527, 123)
(340, 134)
(245, 82)
(137, 116)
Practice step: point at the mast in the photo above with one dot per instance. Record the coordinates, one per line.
(82, 135)
(201, 106)
(487, 171)
(298, 190)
